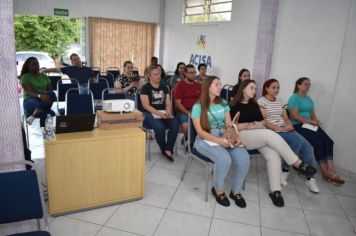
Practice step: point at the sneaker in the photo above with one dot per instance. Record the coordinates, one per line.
(239, 200)
(284, 177)
(277, 198)
(30, 120)
(305, 169)
(221, 198)
(312, 186)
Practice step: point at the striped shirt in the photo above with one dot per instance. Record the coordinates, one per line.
(274, 110)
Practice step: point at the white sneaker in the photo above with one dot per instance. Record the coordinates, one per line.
(284, 177)
(312, 186)
(30, 120)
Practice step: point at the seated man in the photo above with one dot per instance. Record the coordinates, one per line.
(186, 94)
(76, 71)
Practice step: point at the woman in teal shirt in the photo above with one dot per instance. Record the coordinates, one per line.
(210, 116)
(301, 108)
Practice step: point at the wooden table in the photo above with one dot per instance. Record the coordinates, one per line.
(96, 168)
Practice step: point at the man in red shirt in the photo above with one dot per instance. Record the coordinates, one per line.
(186, 94)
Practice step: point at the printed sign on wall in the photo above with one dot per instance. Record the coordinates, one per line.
(200, 57)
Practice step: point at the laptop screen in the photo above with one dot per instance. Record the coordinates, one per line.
(74, 123)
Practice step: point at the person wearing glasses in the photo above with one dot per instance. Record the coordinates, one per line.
(305, 122)
(186, 94)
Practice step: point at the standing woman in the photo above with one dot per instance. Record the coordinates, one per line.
(210, 117)
(156, 101)
(274, 111)
(244, 74)
(129, 86)
(301, 108)
(38, 95)
(271, 145)
(178, 74)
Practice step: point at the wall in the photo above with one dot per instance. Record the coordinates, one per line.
(135, 10)
(343, 114)
(231, 45)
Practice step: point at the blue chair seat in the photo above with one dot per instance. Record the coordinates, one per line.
(34, 233)
(204, 158)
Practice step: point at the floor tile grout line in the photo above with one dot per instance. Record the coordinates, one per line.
(212, 218)
(305, 216)
(258, 194)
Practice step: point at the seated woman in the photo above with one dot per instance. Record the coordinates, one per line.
(156, 101)
(301, 108)
(271, 145)
(178, 75)
(276, 118)
(244, 74)
(38, 95)
(202, 68)
(210, 117)
(129, 85)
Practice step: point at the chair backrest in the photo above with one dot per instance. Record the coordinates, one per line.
(21, 197)
(110, 94)
(79, 104)
(97, 88)
(96, 71)
(108, 76)
(64, 87)
(115, 71)
(138, 102)
(226, 92)
(54, 79)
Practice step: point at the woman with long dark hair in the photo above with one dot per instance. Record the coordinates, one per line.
(210, 117)
(274, 111)
(244, 74)
(38, 95)
(178, 74)
(254, 135)
(301, 108)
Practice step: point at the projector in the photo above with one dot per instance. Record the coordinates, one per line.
(118, 105)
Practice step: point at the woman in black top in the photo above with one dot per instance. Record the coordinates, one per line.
(271, 145)
(156, 101)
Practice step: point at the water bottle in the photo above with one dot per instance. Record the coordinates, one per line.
(49, 128)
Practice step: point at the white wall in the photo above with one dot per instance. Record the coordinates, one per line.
(135, 10)
(343, 112)
(231, 45)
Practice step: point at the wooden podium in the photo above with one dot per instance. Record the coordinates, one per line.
(95, 168)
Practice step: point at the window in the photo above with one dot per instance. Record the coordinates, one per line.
(198, 11)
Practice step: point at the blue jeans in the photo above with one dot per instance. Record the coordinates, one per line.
(222, 158)
(31, 104)
(182, 118)
(323, 145)
(160, 126)
(299, 145)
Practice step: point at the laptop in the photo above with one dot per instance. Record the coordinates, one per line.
(74, 123)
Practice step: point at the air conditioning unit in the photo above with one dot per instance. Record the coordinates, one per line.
(118, 105)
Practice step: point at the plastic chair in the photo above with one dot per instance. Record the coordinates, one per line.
(110, 94)
(54, 79)
(21, 197)
(115, 71)
(108, 76)
(193, 153)
(79, 104)
(62, 89)
(226, 92)
(97, 88)
(96, 71)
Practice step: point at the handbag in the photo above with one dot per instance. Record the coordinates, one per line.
(231, 133)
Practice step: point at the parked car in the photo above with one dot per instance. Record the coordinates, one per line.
(43, 58)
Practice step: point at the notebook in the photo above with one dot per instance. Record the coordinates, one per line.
(74, 123)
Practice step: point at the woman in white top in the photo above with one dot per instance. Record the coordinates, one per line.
(274, 111)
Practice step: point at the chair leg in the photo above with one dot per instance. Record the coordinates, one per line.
(207, 182)
(187, 164)
(243, 185)
(176, 149)
(26, 131)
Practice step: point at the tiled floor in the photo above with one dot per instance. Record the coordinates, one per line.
(173, 207)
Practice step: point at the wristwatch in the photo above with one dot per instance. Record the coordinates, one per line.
(39, 95)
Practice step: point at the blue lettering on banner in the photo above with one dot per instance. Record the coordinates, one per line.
(196, 59)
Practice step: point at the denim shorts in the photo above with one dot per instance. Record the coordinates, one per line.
(182, 118)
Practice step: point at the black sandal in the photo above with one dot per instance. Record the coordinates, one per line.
(221, 198)
(277, 198)
(239, 200)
